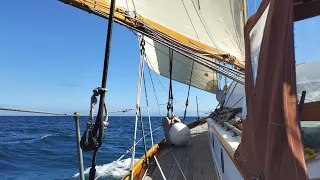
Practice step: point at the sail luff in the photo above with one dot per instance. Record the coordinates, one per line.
(121, 15)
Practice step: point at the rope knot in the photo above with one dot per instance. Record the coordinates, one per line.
(99, 90)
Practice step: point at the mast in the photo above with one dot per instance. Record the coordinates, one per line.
(244, 12)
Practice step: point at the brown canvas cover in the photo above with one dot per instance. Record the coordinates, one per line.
(271, 145)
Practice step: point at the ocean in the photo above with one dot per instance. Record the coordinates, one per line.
(44, 147)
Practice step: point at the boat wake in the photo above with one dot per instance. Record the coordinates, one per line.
(114, 170)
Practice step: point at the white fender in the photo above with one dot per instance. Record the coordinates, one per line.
(179, 134)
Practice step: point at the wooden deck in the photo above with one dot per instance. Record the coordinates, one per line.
(195, 160)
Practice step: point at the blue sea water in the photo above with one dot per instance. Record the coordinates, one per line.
(44, 147)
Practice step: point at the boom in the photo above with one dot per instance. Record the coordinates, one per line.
(150, 28)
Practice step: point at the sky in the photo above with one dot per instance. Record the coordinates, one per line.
(51, 58)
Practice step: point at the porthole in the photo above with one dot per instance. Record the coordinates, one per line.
(222, 161)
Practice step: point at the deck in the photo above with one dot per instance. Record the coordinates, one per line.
(195, 160)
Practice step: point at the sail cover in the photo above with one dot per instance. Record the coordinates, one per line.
(157, 58)
(216, 23)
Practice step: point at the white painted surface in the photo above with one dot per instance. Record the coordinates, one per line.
(179, 134)
(314, 169)
(230, 170)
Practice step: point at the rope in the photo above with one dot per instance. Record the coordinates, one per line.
(231, 73)
(141, 120)
(231, 93)
(127, 152)
(137, 111)
(160, 80)
(154, 90)
(187, 101)
(184, 177)
(170, 97)
(65, 114)
(150, 127)
(96, 92)
(197, 108)
(99, 125)
(149, 31)
(164, 177)
(204, 104)
(33, 111)
(185, 8)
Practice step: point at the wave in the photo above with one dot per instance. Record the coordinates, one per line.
(57, 135)
(113, 170)
(45, 136)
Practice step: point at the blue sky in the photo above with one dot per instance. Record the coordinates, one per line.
(51, 57)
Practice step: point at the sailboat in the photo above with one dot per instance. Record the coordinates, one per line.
(258, 130)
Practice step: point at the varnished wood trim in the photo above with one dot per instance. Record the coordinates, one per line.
(226, 146)
(306, 9)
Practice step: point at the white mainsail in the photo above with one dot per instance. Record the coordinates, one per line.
(157, 58)
(215, 23)
(212, 29)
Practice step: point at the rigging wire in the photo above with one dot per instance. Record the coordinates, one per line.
(149, 119)
(138, 111)
(204, 103)
(123, 155)
(203, 22)
(187, 101)
(236, 33)
(190, 55)
(161, 81)
(154, 90)
(197, 108)
(226, 71)
(185, 8)
(230, 93)
(142, 50)
(66, 114)
(207, 63)
(168, 44)
(34, 111)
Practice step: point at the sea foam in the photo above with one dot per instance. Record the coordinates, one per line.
(45, 136)
(113, 170)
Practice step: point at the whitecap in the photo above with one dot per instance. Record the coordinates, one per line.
(45, 136)
(113, 170)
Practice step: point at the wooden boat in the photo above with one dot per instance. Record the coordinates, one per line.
(258, 135)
